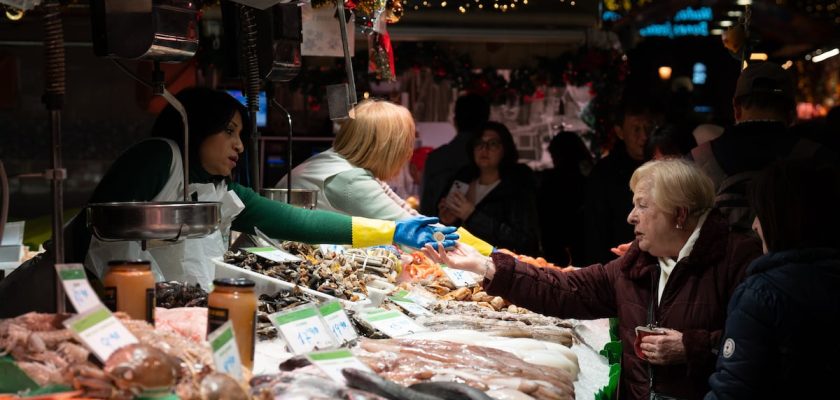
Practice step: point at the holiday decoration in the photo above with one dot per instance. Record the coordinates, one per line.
(393, 11)
(381, 56)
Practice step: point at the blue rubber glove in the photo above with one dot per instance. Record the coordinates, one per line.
(417, 231)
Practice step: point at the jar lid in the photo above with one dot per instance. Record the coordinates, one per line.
(128, 262)
(234, 282)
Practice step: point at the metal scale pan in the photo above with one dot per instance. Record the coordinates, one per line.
(161, 31)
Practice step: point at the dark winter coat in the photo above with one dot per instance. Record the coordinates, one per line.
(607, 203)
(781, 333)
(507, 216)
(693, 302)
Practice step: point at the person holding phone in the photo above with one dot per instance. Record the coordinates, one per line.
(494, 197)
(673, 283)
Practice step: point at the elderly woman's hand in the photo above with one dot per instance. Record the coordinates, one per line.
(664, 349)
(464, 257)
(460, 205)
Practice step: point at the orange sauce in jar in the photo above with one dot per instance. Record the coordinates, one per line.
(234, 299)
(130, 288)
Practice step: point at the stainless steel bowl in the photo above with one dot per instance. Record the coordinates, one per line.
(306, 198)
(153, 220)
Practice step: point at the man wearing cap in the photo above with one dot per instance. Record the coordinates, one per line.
(764, 105)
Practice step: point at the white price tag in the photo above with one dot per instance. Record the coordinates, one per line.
(392, 323)
(303, 329)
(100, 331)
(420, 297)
(460, 278)
(336, 319)
(332, 362)
(273, 254)
(225, 351)
(410, 306)
(331, 248)
(77, 287)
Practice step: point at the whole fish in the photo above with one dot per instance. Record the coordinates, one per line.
(450, 390)
(373, 383)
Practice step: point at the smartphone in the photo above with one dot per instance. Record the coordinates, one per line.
(457, 187)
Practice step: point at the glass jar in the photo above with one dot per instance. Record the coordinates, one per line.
(234, 299)
(130, 288)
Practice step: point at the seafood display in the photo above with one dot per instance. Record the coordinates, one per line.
(529, 318)
(410, 361)
(374, 383)
(498, 327)
(269, 304)
(344, 276)
(178, 294)
(477, 346)
(307, 383)
(189, 322)
(50, 354)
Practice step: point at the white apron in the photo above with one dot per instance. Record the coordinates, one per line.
(186, 260)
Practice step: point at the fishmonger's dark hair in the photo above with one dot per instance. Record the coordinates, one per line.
(208, 113)
(796, 202)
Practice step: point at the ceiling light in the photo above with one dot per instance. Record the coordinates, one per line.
(716, 31)
(826, 55)
(743, 2)
(725, 23)
(734, 14)
(665, 72)
(758, 57)
(787, 64)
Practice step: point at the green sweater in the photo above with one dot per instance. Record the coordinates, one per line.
(140, 173)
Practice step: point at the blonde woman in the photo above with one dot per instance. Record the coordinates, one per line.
(677, 276)
(368, 150)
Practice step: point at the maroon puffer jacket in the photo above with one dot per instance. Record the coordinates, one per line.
(693, 302)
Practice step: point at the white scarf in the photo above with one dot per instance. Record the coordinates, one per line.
(667, 264)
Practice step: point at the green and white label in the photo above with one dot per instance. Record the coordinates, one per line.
(273, 254)
(303, 329)
(392, 323)
(77, 287)
(337, 321)
(409, 305)
(459, 278)
(100, 331)
(225, 350)
(333, 361)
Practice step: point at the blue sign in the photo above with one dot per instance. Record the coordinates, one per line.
(670, 30)
(610, 16)
(686, 22)
(690, 14)
(698, 75)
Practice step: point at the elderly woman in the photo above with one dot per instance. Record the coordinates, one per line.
(677, 275)
(368, 150)
(776, 342)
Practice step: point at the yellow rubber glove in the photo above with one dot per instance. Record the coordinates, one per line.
(483, 247)
(372, 232)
